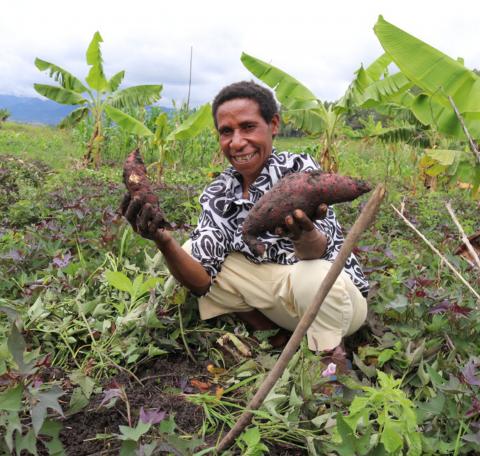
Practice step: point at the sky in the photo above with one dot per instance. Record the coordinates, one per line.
(320, 43)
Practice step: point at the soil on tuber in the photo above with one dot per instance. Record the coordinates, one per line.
(306, 191)
(137, 183)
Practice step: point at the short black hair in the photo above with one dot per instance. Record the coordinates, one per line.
(251, 90)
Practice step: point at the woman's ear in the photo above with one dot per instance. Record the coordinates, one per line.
(275, 124)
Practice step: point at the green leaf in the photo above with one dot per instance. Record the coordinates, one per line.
(128, 123)
(26, 442)
(16, 346)
(74, 117)
(119, 280)
(300, 106)
(53, 444)
(391, 437)
(251, 436)
(289, 91)
(84, 381)
(13, 425)
(128, 433)
(386, 355)
(115, 81)
(96, 77)
(37, 310)
(194, 124)
(429, 68)
(128, 448)
(44, 400)
(59, 94)
(11, 399)
(132, 97)
(438, 75)
(67, 80)
(149, 284)
(78, 401)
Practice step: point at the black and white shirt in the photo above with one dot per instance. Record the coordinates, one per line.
(224, 209)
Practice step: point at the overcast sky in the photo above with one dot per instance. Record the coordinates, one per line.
(321, 43)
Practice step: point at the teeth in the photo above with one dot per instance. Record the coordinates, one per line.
(245, 158)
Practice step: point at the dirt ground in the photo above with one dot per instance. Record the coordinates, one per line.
(159, 379)
(79, 430)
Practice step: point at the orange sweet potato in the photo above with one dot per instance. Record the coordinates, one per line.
(137, 183)
(305, 191)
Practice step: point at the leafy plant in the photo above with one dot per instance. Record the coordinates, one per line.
(99, 96)
(24, 392)
(4, 115)
(384, 417)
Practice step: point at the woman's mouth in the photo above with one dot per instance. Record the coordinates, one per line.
(243, 158)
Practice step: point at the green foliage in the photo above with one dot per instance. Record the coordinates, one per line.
(384, 416)
(23, 393)
(4, 114)
(98, 97)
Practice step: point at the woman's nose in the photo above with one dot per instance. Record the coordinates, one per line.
(238, 141)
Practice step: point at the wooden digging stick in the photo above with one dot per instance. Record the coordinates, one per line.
(361, 224)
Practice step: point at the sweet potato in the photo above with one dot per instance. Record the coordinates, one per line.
(137, 183)
(305, 191)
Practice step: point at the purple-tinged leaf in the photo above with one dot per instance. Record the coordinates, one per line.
(452, 307)
(474, 409)
(109, 394)
(62, 261)
(14, 255)
(469, 372)
(473, 438)
(152, 416)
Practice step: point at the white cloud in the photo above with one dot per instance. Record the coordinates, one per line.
(319, 43)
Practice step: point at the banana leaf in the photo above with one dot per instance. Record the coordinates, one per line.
(59, 94)
(74, 117)
(128, 123)
(135, 96)
(430, 69)
(96, 77)
(194, 124)
(115, 81)
(67, 80)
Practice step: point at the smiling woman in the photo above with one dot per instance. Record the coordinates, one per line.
(245, 137)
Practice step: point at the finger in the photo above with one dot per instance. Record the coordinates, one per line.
(321, 212)
(124, 204)
(158, 222)
(293, 228)
(279, 231)
(132, 211)
(302, 220)
(144, 219)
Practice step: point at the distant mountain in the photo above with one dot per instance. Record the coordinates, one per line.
(35, 110)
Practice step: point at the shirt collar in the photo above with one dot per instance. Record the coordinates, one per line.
(233, 184)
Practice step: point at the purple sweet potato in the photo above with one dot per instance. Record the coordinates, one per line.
(137, 183)
(305, 191)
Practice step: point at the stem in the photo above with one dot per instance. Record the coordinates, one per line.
(439, 254)
(182, 334)
(190, 78)
(471, 142)
(464, 236)
(363, 221)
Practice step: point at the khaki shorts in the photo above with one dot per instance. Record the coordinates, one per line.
(283, 293)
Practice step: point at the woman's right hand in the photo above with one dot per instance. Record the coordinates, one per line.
(145, 219)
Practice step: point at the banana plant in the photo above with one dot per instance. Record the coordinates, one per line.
(98, 97)
(163, 137)
(371, 87)
(301, 108)
(443, 82)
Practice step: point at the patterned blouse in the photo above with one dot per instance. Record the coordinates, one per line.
(219, 229)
